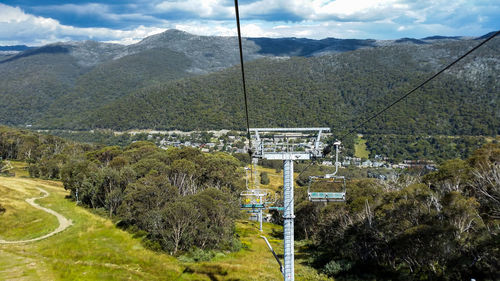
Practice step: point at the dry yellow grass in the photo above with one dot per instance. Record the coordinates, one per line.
(92, 249)
(20, 168)
(22, 221)
(275, 179)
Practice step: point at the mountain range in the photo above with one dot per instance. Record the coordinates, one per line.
(176, 80)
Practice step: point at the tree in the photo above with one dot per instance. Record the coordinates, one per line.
(218, 210)
(146, 196)
(105, 155)
(485, 180)
(175, 225)
(184, 175)
(264, 178)
(452, 175)
(112, 186)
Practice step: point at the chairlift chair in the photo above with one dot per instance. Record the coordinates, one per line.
(329, 188)
(253, 199)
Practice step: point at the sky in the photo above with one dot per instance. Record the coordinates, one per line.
(40, 22)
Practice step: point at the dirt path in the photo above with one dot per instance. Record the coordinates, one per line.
(63, 222)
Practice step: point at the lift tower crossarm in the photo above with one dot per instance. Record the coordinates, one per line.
(269, 150)
(326, 129)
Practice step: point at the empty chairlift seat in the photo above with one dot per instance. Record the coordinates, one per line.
(327, 189)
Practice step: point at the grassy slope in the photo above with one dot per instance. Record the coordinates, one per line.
(94, 249)
(360, 148)
(16, 224)
(275, 179)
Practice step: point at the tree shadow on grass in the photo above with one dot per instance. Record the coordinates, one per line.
(277, 234)
(213, 272)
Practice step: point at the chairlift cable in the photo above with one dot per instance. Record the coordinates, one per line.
(420, 85)
(242, 70)
(307, 167)
(250, 152)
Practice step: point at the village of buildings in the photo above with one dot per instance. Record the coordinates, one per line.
(236, 142)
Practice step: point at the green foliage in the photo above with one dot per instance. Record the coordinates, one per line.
(45, 154)
(243, 157)
(101, 137)
(336, 90)
(415, 147)
(264, 178)
(54, 86)
(484, 182)
(2, 209)
(273, 164)
(182, 198)
(334, 268)
(453, 175)
(197, 255)
(409, 230)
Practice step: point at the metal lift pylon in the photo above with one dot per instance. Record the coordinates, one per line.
(279, 148)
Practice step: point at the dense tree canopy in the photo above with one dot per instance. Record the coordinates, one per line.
(146, 90)
(45, 154)
(180, 197)
(414, 147)
(443, 226)
(335, 90)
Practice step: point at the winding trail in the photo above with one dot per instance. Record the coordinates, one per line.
(63, 222)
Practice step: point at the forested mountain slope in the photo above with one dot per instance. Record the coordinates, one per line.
(67, 78)
(336, 90)
(84, 85)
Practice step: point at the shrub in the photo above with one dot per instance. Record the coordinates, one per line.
(197, 255)
(264, 178)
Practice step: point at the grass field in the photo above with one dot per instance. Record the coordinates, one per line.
(94, 249)
(15, 223)
(360, 150)
(20, 169)
(275, 179)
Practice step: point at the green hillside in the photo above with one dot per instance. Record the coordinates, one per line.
(114, 79)
(86, 85)
(28, 85)
(337, 90)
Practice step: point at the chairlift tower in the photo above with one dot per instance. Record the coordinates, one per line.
(279, 147)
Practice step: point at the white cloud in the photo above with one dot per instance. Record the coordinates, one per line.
(17, 27)
(388, 19)
(254, 30)
(348, 10)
